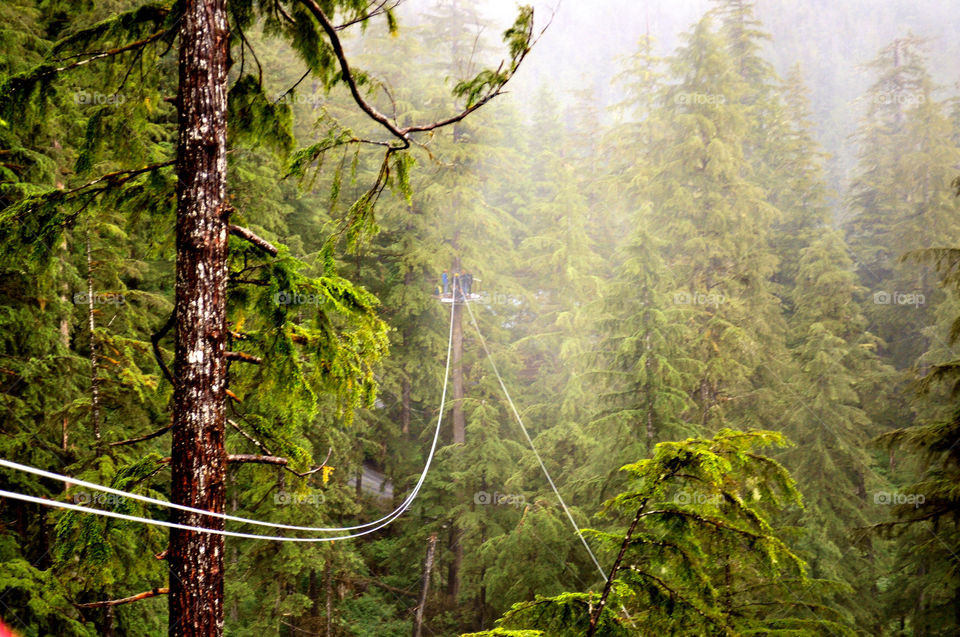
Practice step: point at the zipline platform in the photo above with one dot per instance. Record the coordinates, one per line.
(448, 298)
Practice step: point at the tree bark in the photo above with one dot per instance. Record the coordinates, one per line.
(198, 460)
(424, 585)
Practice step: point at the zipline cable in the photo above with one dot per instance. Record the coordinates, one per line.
(530, 441)
(387, 519)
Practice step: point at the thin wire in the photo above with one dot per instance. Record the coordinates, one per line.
(530, 441)
(390, 517)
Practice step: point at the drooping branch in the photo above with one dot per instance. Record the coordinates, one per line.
(489, 90)
(348, 77)
(126, 600)
(250, 236)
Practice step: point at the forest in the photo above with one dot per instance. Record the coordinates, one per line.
(389, 318)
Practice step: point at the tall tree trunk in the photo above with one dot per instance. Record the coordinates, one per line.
(424, 584)
(198, 460)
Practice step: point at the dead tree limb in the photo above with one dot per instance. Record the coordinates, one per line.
(243, 357)
(424, 585)
(155, 339)
(251, 237)
(126, 600)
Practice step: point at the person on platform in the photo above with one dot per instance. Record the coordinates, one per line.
(445, 281)
(466, 279)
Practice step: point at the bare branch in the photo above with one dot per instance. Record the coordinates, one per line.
(262, 447)
(109, 53)
(256, 459)
(243, 357)
(155, 339)
(121, 176)
(125, 600)
(249, 235)
(158, 432)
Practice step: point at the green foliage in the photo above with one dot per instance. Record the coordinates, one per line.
(702, 553)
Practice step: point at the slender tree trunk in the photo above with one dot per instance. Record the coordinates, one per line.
(108, 622)
(608, 586)
(234, 553)
(94, 376)
(198, 461)
(405, 383)
(455, 546)
(456, 365)
(456, 371)
(65, 340)
(459, 427)
(425, 584)
(328, 591)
